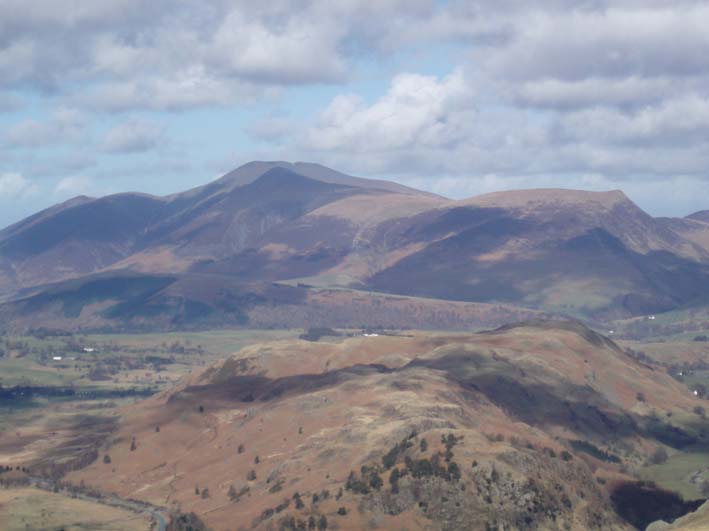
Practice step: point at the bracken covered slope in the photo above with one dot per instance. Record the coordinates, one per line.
(533, 426)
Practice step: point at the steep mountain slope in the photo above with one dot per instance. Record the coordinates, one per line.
(119, 301)
(75, 238)
(238, 218)
(251, 171)
(436, 432)
(568, 213)
(590, 254)
(692, 228)
(154, 234)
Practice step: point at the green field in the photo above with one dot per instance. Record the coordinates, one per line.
(677, 473)
(28, 360)
(217, 342)
(41, 395)
(28, 508)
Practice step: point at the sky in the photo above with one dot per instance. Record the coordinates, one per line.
(459, 98)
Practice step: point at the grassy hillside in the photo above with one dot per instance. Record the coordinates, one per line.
(423, 431)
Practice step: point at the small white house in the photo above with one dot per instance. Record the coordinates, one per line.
(56, 358)
(89, 349)
(652, 317)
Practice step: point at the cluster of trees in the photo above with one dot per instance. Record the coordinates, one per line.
(186, 522)
(315, 334)
(421, 468)
(4, 469)
(390, 458)
(639, 355)
(312, 523)
(20, 347)
(235, 496)
(644, 329)
(591, 449)
(79, 461)
(176, 347)
(366, 482)
(658, 457)
(440, 465)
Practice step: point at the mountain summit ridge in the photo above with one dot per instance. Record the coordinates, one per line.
(305, 227)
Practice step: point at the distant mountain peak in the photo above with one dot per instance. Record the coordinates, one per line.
(273, 221)
(281, 179)
(251, 171)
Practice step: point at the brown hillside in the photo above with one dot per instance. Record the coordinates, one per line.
(302, 429)
(594, 255)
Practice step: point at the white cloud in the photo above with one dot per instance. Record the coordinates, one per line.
(64, 125)
(614, 43)
(271, 128)
(186, 89)
(134, 136)
(417, 111)
(538, 92)
(301, 49)
(127, 53)
(15, 186)
(551, 93)
(9, 102)
(73, 186)
(682, 120)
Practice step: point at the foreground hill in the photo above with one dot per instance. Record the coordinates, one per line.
(533, 426)
(294, 229)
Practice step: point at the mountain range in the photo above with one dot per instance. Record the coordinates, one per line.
(298, 244)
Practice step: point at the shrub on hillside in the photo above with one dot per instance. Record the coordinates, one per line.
(658, 457)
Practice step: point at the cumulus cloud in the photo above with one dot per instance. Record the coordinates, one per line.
(74, 186)
(64, 125)
(523, 93)
(15, 186)
(613, 43)
(134, 136)
(619, 55)
(163, 55)
(681, 120)
(551, 93)
(9, 102)
(543, 95)
(271, 128)
(416, 111)
(187, 90)
(423, 125)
